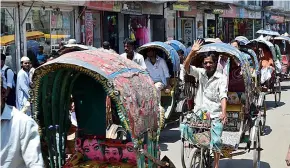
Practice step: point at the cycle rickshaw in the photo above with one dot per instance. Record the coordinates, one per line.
(267, 49)
(243, 115)
(169, 54)
(86, 78)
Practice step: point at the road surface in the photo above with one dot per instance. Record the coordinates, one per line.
(275, 143)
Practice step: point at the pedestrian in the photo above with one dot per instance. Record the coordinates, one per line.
(23, 83)
(20, 140)
(41, 58)
(211, 95)
(131, 54)
(9, 82)
(72, 41)
(106, 45)
(188, 49)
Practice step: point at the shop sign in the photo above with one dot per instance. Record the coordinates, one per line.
(104, 5)
(131, 8)
(254, 15)
(89, 27)
(243, 13)
(191, 13)
(188, 31)
(181, 7)
(278, 19)
(230, 13)
(152, 9)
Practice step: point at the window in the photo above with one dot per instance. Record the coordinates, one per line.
(8, 46)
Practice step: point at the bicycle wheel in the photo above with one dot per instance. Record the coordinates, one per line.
(277, 91)
(195, 158)
(257, 151)
(263, 116)
(186, 148)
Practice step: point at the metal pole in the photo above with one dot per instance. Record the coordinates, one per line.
(17, 38)
(27, 13)
(216, 25)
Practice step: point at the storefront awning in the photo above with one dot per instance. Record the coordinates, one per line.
(56, 36)
(8, 39)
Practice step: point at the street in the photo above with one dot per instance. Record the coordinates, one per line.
(275, 143)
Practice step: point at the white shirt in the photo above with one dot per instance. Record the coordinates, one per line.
(210, 91)
(159, 71)
(22, 89)
(10, 75)
(20, 141)
(137, 58)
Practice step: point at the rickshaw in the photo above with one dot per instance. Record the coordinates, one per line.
(212, 40)
(254, 67)
(273, 86)
(87, 78)
(168, 100)
(243, 115)
(178, 46)
(284, 44)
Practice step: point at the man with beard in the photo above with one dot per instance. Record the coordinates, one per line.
(113, 154)
(22, 86)
(131, 54)
(20, 141)
(211, 95)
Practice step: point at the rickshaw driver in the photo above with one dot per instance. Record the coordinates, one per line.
(211, 95)
(158, 71)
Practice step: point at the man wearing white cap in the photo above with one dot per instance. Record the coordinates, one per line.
(72, 41)
(22, 86)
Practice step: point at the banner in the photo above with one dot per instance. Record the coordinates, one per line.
(89, 28)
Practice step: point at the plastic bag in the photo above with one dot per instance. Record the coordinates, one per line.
(265, 74)
(278, 66)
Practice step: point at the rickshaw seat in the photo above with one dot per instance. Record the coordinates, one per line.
(236, 80)
(173, 84)
(234, 107)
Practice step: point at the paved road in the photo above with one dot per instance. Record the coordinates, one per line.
(275, 143)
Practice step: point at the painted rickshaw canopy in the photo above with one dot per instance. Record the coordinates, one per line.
(267, 43)
(127, 83)
(85, 47)
(169, 51)
(268, 32)
(251, 53)
(212, 40)
(243, 40)
(283, 38)
(223, 48)
(177, 45)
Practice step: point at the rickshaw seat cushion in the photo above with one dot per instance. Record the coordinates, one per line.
(234, 107)
(236, 98)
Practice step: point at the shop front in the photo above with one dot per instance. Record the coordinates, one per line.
(276, 23)
(26, 25)
(186, 21)
(140, 21)
(240, 22)
(101, 23)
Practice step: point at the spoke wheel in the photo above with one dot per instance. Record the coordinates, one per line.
(195, 158)
(263, 116)
(277, 91)
(257, 151)
(186, 149)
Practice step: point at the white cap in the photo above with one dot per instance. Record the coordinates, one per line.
(24, 58)
(71, 41)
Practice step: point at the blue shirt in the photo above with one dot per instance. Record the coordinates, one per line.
(40, 58)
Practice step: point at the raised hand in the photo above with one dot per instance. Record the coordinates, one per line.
(196, 46)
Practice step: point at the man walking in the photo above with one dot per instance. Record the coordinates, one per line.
(8, 82)
(20, 141)
(23, 82)
(211, 95)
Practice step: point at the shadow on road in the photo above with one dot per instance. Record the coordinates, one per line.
(170, 134)
(285, 88)
(267, 130)
(271, 104)
(241, 163)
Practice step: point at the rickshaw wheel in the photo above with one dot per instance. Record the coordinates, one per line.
(277, 91)
(257, 150)
(186, 150)
(263, 117)
(195, 158)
